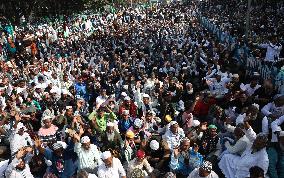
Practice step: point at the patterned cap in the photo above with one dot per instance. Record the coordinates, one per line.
(207, 166)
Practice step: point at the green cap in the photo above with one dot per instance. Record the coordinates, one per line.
(212, 126)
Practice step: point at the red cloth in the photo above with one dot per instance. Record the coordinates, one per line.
(140, 154)
(132, 109)
(201, 108)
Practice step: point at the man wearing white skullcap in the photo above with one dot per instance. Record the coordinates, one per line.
(19, 137)
(111, 138)
(111, 167)
(61, 157)
(154, 145)
(88, 154)
(173, 136)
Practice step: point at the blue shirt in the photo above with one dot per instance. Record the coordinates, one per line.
(68, 161)
(124, 125)
(178, 165)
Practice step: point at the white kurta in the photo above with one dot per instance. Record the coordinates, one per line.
(173, 140)
(12, 172)
(234, 166)
(116, 171)
(18, 141)
(86, 157)
(195, 174)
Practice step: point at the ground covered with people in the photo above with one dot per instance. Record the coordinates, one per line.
(142, 92)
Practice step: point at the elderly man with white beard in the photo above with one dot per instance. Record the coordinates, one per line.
(111, 139)
(88, 154)
(235, 166)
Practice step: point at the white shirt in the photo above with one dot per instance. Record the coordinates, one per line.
(270, 108)
(248, 89)
(239, 147)
(100, 100)
(216, 87)
(173, 140)
(86, 157)
(234, 166)
(195, 174)
(12, 172)
(272, 51)
(116, 171)
(275, 125)
(18, 141)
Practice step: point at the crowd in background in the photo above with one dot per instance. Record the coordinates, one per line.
(142, 92)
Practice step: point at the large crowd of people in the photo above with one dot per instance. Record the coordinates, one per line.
(139, 93)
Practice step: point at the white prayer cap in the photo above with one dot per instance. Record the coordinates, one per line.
(236, 75)
(64, 92)
(105, 155)
(85, 139)
(154, 145)
(195, 123)
(138, 123)
(9, 64)
(110, 124)
(173, 123)
(123, 94)
(46, 117)
(64, 145)
(256, 105)
(127, 98)
(57, 145)
(146, 95)
(183, 63)
(125, 112)
(68, 107)
(20, 126)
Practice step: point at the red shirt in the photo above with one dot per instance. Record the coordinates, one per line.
(201, 108)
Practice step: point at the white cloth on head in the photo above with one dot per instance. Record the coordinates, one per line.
(195, 174)
(12, 172)
(110, 124)
(90, 158)
(105, 155)
(195, 123)
(154, 145)
(85, 139)
(18, 141)
(115, 171)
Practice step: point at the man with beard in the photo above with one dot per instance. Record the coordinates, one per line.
(112, 139)
(184, 159)
(19, 137)
(111, 167)
(128, 105)
(19, 167)
(88, 154)
(64, 101)
(254, 155)
(61, 157)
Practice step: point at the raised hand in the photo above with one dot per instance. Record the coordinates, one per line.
(21, 153)
(37, 142)
(176, 153)
(18, 117)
